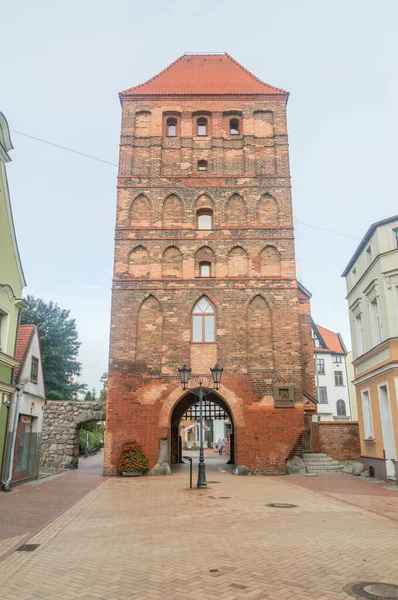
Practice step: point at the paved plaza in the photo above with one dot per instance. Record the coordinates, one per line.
(152, 538)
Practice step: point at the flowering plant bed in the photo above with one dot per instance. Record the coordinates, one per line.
(132, 461)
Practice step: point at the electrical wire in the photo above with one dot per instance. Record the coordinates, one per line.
(64, 148)
(115, 165)
(328, 230)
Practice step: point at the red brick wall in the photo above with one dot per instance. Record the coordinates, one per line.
(259, 340)
(340, 440)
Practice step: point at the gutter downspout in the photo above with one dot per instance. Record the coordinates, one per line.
(11, 447)
(317, 380)
(348, 385)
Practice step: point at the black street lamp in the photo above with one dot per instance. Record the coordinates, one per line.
(201, 393)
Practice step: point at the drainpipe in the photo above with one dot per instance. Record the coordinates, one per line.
(348, 386)
(316, 380)
(11, 447)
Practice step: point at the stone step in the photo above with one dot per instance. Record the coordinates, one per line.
(323, 463)
(319, 454)
(317, 461)
(324, 469)
(315, 456)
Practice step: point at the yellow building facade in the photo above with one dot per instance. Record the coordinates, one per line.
(372, 293)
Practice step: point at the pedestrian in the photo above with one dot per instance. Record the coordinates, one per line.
(220, 446)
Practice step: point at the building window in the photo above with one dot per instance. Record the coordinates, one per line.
(203, 322)
(171, 127)
(205, 269)
(234, 127)
(367, 415)
(368, 255)
(34, 370)
(340, 406)
(396, 237)
(359, 334)
(320, 366)
(322, 394)
(202, 126)
(204, 219)
(374, 307)
(337, 359)
(202, 165)
(338, 378)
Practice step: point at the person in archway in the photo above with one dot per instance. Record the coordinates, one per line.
(220, 446)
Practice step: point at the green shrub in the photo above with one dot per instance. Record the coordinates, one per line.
(132, 459)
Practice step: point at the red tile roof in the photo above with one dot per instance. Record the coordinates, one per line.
(204, 74)
(331, 339)
(24, 335)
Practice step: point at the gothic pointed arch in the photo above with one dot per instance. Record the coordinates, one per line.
(235, 212)
(270, 262)
(238, 262)
(172, 212)
(172, 261)
(267, 213)
(205, 256)
(140, 212)
(149, 336)
(203, 321)
(139, 262)
(259, 336)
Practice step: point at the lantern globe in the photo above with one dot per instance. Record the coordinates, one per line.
(185, 373)
(216, 372)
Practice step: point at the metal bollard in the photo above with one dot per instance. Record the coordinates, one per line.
(190, 469)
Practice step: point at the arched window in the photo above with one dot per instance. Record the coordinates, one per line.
(204, 219)
(340, 405)
(234, 127)
(171, 127)
(202, 165)
(205, 269)
(202, 126)
(203, 322)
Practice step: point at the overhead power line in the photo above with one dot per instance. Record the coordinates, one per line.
(328, 230)
(64, 148)
(107, 162)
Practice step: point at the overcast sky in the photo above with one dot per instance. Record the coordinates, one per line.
(63, 64)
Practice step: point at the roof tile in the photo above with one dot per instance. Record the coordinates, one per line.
(24, 335)
(204, 74)
(331, 340)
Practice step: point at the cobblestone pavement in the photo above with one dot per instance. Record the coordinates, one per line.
(369, 494)
(152, 538)
(30, 506)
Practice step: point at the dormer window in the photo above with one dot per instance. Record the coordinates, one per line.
(171, 127)
(202, 165)
(234, 127)
(369, 257)
(202, 126)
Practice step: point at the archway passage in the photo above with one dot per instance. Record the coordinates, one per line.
(217, 423)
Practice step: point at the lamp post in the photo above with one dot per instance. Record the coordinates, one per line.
(201, 393)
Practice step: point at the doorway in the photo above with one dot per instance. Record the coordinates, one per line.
(387, 429)
(218, 425)
(25, 449)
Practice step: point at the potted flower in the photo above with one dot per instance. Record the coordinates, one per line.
(132, 461)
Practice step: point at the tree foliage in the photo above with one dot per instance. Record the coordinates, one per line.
(104, 389)
(59, 347)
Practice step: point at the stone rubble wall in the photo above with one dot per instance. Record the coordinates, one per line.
(60, 434)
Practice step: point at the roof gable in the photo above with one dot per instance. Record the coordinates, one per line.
(332, 340)
(204, 74)
(24, 338)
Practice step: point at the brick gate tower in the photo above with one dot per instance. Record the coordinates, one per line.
(204, 267)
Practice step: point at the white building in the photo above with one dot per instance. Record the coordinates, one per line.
(331, 375)
(30, 408)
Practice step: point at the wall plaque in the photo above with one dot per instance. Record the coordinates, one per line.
(284, 396)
